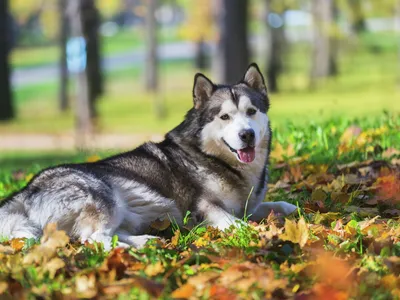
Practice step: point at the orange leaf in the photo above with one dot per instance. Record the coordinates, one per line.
(17, 244)
(184, 292)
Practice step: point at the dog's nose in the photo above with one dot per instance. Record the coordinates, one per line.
(247, 135)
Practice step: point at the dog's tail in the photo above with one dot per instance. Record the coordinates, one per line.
(14, 221)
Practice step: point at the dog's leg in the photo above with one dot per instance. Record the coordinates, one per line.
(265, 208)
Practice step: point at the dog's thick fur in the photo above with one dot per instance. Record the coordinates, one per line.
(213, 164)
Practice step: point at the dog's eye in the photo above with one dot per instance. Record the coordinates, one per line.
(225, 117)
(251, 112)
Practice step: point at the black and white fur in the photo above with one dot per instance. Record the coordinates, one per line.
(196, 168)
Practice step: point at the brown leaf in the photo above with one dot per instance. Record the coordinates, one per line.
(340, 197)
(53, 266)
(362, 211)
(3, 287)
(392, 212)
(51, 240)
(154, 269)
(160, 224)
(116, 261)
(6, 249)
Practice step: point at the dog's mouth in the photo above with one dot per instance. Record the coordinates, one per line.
(245, 155)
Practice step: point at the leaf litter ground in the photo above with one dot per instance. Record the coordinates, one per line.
(342, 243)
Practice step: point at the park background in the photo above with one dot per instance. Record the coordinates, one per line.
(322, 60)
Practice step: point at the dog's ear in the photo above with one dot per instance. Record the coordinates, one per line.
(202, 90)
(254, 79)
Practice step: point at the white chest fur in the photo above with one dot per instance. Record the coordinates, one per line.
(235, 197)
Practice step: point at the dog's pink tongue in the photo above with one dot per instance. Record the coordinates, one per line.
(247, 155)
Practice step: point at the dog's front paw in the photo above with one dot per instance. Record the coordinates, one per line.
(138, 241)
(265, 208)
(284, 208)
(225, 223)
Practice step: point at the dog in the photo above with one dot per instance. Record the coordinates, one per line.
(214, 164)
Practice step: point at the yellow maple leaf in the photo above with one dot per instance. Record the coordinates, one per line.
(295, 232)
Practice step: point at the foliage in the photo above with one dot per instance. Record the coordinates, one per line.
(344, 241)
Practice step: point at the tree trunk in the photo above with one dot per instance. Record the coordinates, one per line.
(83, 120)
(90, 26)
(151, 71)
(63, 104)
(233, 44)
(357, 16)
(6, 104)
(276, 43)
(201, 60)
(324, 60)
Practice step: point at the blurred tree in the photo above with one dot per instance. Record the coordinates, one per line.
(357, 16)
(109, 8)
(324, 56)
(275, 24)
(63, 104)
(233, 51)
(151, 71)
(199, 27)
(6, 104)
(90, 27)
(151, 63)
(84, 125)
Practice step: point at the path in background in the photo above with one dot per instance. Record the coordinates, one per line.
(48, 73)
(32, 142)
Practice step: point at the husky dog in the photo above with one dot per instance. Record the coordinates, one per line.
(214, 164)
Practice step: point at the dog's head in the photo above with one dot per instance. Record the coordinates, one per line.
(234, 116)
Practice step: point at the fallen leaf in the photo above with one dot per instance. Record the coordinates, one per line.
(53, 266)
(362, 211)
(17, 244)
(340, 197)
(295, 232)
(390, 152)
(184, 292)
(160, 224)
(154, 269)
(51, 240)
(86, 286)
(318, 195)
(175, 238)
(3, 287)
(7, 249)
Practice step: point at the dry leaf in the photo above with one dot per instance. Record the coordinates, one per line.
(86, 286)
(160, 224)
(295, 232)
(154, 269)
(184, 292)
(17, 244)
(53, 266)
